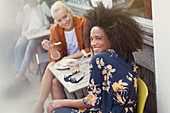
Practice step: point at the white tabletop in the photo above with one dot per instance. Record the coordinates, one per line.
(72, 87)
(44, 31)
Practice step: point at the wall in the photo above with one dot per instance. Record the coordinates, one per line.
(161, 27)
(9, 33)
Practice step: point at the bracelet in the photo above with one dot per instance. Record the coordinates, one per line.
(55, 58)
(84, 52)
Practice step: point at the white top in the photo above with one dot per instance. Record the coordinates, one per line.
(34, 22)
(71, 41)
(46, 9)
(23, 17)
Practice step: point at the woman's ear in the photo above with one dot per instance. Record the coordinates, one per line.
(71, 13)
(55, 21)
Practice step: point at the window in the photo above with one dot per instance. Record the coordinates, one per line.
(141, 8)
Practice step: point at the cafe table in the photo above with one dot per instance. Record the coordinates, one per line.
(72, 88)
(44, 31)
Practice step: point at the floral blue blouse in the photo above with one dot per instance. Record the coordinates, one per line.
(110, 81)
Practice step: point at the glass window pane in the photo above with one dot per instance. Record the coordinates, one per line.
(141, 8)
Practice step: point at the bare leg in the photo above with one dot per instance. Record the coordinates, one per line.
(57, 90)
(45, 89)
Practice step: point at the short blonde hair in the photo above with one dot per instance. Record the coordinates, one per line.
(57, 6)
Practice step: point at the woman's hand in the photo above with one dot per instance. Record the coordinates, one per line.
(46, 44)
(54, 104)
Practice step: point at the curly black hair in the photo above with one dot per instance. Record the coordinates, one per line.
(120, 27)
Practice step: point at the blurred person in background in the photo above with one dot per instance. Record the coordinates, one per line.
(32, 18)
(46, 10)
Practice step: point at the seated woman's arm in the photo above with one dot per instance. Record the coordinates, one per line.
(66, 103)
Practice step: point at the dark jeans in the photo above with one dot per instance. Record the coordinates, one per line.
(73, 110)
(65, 110)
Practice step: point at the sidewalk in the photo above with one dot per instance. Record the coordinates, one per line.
(26, 100)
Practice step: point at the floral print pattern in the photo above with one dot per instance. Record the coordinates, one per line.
(110, 81)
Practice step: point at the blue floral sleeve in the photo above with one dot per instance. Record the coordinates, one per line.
(94, 87)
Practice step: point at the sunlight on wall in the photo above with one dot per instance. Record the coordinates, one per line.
(8, 10)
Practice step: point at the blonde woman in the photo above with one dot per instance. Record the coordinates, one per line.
(69, 31)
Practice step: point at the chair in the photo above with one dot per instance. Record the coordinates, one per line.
(42, 58)
(142, 93)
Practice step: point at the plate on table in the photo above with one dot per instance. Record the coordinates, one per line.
(63, 64)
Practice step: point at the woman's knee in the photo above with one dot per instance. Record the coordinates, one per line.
(47, 68)
(50, 64)
(48, 74)
(55, 82)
